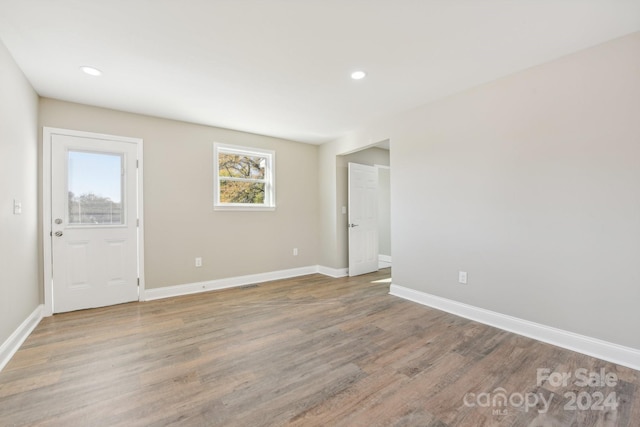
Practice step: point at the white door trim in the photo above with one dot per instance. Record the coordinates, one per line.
(47, 134)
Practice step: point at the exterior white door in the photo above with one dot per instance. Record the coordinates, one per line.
(94, 233)
(363, 219)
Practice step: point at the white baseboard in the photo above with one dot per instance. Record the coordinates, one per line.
(13, 343)
(384, 261)
(333, 272)
(621, 355)
(231, 282)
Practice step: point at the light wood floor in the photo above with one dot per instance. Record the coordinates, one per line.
(310, 351)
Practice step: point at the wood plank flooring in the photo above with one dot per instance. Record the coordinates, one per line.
(310, 351)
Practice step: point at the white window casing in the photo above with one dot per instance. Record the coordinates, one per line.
(267, 163)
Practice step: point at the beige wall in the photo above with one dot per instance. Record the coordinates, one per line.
(19, 266)
(531, 184)
(180, 223)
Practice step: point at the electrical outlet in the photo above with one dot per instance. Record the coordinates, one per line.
(295, 251)
(198, 262)
(462, 277)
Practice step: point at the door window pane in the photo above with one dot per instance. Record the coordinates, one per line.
(95, 188)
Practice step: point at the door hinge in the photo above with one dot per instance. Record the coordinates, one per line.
(138, 222)
(137, 164)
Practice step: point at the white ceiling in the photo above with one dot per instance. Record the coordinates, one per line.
(281, 67)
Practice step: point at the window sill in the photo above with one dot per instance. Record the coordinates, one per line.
(244, 208)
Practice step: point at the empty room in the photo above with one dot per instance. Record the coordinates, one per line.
(320, 213)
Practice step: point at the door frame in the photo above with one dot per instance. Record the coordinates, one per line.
(47, 240)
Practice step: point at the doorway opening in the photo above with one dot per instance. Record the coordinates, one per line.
(376, 157)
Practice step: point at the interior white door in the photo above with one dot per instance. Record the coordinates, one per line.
(363, 219)
(94, 222)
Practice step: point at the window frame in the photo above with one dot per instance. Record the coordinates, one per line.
(269, 178)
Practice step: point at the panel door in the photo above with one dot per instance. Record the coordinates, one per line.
(363, 219)
(94, 229)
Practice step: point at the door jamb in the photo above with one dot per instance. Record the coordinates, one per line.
(47, 134)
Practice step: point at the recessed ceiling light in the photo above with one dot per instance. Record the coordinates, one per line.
(92, 71)
(358, 75)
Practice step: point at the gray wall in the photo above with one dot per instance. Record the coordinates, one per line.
(19, 266)
(531, 184)
(384, 211)
(180, 222)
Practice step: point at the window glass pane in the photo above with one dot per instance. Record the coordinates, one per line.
(241, 166)
(241, 192)
(95, 188)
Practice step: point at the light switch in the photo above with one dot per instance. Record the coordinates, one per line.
(17, 207)
(462, 277)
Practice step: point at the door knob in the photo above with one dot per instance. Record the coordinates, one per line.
(352, 225)
(58, 233)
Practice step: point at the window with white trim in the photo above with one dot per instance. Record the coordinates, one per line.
(244, 178)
